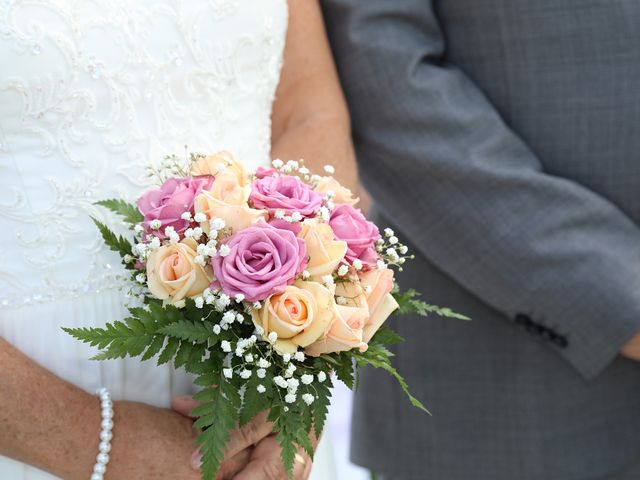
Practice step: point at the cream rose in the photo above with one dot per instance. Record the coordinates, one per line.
(173, 275)
(227, 199)
(299, 315)
(220, 162)
(324, 251)
(349, 319)
(379, 299)
(342, 193)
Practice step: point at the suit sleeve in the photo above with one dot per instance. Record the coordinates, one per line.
(472, 195)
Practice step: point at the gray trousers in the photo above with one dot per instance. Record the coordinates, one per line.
(631, 473)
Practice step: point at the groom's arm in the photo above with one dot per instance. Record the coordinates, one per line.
(472, 195)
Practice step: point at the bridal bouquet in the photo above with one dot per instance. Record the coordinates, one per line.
(261, 285)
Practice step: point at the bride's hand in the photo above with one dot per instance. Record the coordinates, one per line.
(240, 445)
(158, 443)
(265, 463)
(150, 442)
(261, 460)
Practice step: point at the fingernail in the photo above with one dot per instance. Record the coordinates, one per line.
(196, 460)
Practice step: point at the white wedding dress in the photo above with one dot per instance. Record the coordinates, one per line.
(91, 92)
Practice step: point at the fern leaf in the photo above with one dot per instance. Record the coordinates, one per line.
(224, 404)
(129, 212)
(196, 332)
(115, 242)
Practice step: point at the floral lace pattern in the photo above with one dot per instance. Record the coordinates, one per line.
(90, 92)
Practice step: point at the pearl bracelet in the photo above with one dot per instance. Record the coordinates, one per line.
(102, 459)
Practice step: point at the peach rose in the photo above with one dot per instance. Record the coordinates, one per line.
(217, 163)
(342, 194)
(324, 251)
(349, 319)
(227, 199)
(299, 315)
(379, 299)
(173, 275)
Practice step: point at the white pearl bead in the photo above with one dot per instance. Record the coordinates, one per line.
(107, 413)
(107, 424)
(106, 435)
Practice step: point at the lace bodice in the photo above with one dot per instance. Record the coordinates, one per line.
(91, 92)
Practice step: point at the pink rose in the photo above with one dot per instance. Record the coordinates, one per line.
(286, 193)
(349, 225)
(262, 172)
(296, 227)
(262, 261)
(170, 201)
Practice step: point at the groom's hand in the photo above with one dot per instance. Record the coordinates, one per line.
(631, 349)
(240, 446)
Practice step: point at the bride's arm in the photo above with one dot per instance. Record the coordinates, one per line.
(44, 420)
(53, 425)
(310, 118)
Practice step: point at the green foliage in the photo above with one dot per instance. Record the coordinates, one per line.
(290, 429)
(253, 401)
(115, 242)
(129, 212)
(410, 303)
(169, 351)
(217, 417)
(379, 357)
(117, 340)
(386, 336)
(321, 405)
(344, 369)
(196, 332)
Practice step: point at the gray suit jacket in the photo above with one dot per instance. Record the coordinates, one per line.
(502, 138)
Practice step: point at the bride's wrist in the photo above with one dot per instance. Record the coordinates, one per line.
(75, 456)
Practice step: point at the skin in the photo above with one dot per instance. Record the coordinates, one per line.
(51, 424)
(631, 349)
(261, 462)
(46, 421)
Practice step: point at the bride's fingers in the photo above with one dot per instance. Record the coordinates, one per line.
(266, 464)
(249, 435)
(272, 469)
(183, 404)
(230, 467)
(242, 439)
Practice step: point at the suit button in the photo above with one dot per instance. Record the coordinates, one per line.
(522, 319)
(535, 329)
(560, 340)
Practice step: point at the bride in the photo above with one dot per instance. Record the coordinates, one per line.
(90, 93)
